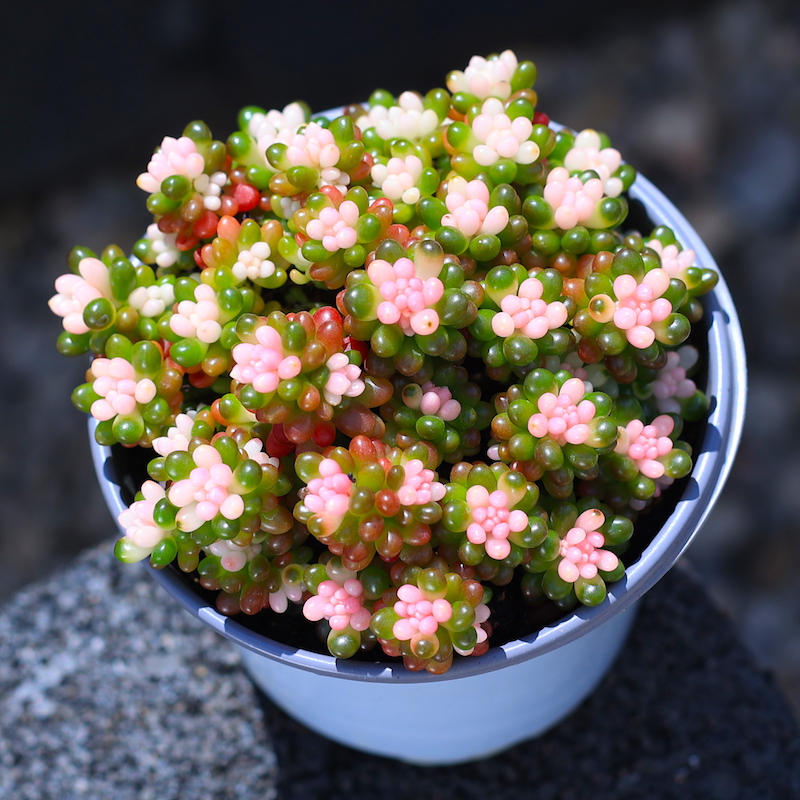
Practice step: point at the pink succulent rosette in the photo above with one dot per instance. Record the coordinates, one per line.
(233, 557)
(420, 616)
(671, 383)
(342, 604)
(493, 521)
(564, 416)
(181, 157)
(198, 318)
(646, 444)
(119, 388)
(206, 492)
(335, 227)
(485, 77)
(499, 136)
(468, 207)
(398, 177)
(274, 126)
(409, 119)
(328, 496)
(137, 519)
(587, 154)
(75, 292)
(264, 364)
(315, 147)
(176, 438)
(407, 297)
(344, 379)
(674, 261)
(174, 157)
(581, 550)
(434, 401)
(527, 313)
(417, 614)
(640, 305)
(573, 201)
(419, 486)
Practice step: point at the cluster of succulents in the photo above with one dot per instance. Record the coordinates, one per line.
(390, 359)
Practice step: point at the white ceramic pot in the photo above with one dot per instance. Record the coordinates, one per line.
(527, 685)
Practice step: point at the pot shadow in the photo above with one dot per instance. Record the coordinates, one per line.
(683, 712)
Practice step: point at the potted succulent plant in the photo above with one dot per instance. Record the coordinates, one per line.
(402, 390)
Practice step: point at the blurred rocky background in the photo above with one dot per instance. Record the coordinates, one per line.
(703, 98)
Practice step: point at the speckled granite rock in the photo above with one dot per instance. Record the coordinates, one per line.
(111, 691)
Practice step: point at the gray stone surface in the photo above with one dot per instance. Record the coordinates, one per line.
(109, 690)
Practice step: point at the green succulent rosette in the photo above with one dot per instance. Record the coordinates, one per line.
(368, 500)
(579, 555)
(448, 413)
(133, 392)
(295, 371)
(429, 615)
(411, 306)
(553, 428)
(490, 519)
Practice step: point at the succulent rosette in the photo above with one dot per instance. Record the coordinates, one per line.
(258, 130)
(673, 390)
(336, 231)
(321, 153)
(589, 154)
(404, 177)
(244, 253)
(520, 319)
(369, 499)
(681, 263)
(502, 139)
(411, 305)
(103, 296)
(210, 487)
(573, 201)
(133, 392)
(410, 122)
(578, 557)
(551, 427)
(490, 518)
(629, 312)
(500, 75)
(647, 458)
(200, 328)
(475, 219)
(186, 182)
(341, 600)
(432, 614)
(294, 371)
(449, 413)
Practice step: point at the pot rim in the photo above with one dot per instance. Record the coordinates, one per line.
(726, 388)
